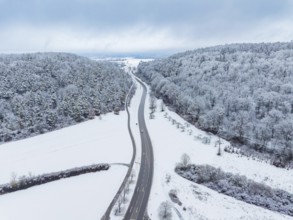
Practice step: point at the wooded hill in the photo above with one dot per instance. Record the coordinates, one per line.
(44, 91)
(242, 92)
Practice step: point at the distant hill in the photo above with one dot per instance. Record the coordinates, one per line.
(242, 92)
(45, 91)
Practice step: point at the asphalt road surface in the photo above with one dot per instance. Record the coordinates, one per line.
(138, 205)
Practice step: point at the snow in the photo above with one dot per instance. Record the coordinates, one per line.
(82, 197)
(170, 143)
(130, 64)
(91, 142)
(203, 203)
(107, 141)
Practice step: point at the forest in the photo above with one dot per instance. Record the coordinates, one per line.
(241, 92)
(42, 92)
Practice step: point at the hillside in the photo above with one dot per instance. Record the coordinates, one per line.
(241, 92)
(45, 91)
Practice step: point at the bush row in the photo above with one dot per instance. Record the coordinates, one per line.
(25, 182)
(239, 187)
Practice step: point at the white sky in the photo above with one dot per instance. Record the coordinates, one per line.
(137, 26)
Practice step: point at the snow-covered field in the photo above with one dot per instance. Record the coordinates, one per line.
(95, 141)
(82, 197)
(107, 141)
(170, 143)
(103, 140)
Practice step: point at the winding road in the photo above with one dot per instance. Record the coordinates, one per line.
(138, 205)
(113, 202)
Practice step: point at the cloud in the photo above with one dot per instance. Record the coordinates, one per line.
(82, 40)
(139, 25)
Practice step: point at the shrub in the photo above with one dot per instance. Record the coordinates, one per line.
(239, 187)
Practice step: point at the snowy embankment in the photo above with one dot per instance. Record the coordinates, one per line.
(199, 202)
(104, 140)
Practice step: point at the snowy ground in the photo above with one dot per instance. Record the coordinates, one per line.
(170, 143)
(94, 141)
(107, 141)
(82, 197)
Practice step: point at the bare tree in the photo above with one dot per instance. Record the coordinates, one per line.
(127, 187)
(132, 175)
(218, 142)
(185, 160)
(92, 113)
(162, 106)
(168, 178)
(13, 181)
(124, 194)
(153, 105)
(118, 206)
(165, 212)
(219, 151)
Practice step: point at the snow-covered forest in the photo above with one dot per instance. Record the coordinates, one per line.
(242, 92)
(45, 91)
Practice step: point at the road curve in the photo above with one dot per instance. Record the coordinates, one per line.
(138, 206)
(113, 202)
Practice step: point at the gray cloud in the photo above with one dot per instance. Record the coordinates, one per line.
(190, 23)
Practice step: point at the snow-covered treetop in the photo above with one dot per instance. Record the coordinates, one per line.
(45, 91)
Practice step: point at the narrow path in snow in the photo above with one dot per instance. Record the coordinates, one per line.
(120, 164)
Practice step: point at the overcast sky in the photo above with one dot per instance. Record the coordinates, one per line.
(127, 26)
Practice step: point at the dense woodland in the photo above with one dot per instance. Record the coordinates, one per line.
(45, 91)
(242, 92)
